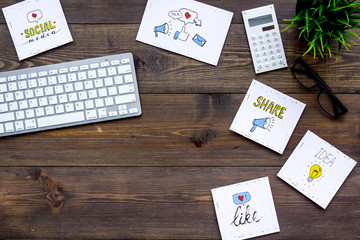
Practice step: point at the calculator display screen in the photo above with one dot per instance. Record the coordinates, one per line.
(260, 20)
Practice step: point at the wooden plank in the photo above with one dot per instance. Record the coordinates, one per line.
(156, 203)
(160, 71)
(127, 11)
(178, 130)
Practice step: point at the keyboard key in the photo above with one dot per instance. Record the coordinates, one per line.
(2, 98)
(82, 76)
(126, 89)
(112, 91)
(3, 88)
(2, 130)
(32, 75)
(12, 86)
(69, 87)
(109, 81)
(30, 113)
(109, 101)
(82, 95)
(102, 113)
(12, 78)
(49, 110)
(79, 106)
(9, 127)
(61, 119)
(84, 67)
(52, 80)
(39, 92)
(125, 98)
(63, 70)
(33, 103)
(20, 115)
(128, 78)
(118, 80)
(30, 124)
(92, 74)
(29, 93)
(43, 101)
(102, 72)
(105, 64)
(79, 86)
(115, 62)
(42, 82)
(53, 72)
(111, 71)
(59, 108)
(89, 104)
(125, 60)
(133, 110)
(72, 77)
(124, 69)
(22, 76)
(2, 79)
(63, 98)
(19, 95)
(9, 97)
(74, 69)
(88, 85)
(69, 107)
(94, 65)
(40, 112)
(99, 83)
(19, 126)
(13, 106)
(43, 74)
(99, 102)
(91, 115)
(6, 117)
(49, 91)
(32, 83)
(62, 78)
(73, 97)
(53, 100)
(59, 89)
(4, 107)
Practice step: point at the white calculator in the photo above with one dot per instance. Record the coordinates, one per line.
(264, 38)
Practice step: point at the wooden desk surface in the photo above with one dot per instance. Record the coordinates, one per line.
(150, 177)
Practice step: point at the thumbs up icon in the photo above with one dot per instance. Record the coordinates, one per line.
(183, 36)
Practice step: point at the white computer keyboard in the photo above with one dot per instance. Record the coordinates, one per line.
(68, 94)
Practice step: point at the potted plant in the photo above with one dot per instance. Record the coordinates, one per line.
(324, 22)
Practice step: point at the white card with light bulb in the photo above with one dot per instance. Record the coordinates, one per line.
(264, 38)
(267, 116)
(316, 169)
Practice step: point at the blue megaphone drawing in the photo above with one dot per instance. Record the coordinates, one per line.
(162, 29)
(262, 122)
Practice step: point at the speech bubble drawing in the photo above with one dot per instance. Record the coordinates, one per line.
(34, 16)
(241, 198)
(185, 15)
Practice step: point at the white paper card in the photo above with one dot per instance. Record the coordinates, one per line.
(37, 26)
(185, 27)
(267, 116)
(245, 210)
(316, 169)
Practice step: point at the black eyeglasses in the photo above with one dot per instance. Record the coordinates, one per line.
(308, 78)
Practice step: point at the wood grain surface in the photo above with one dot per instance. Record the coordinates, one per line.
(150, 177)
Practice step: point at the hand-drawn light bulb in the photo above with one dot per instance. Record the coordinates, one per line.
(315, 172)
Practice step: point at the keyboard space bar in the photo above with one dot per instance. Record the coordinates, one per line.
(61, 119)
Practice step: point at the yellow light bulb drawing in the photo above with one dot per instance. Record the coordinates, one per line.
(315, 172)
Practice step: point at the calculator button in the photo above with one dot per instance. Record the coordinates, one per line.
(263, 48)
(271, 52)
(253, 38)
(274, 33)
(278, 50)
(264, 54)
(261, 42)
(257, 55)
(267, 65)
(274, 63)
(256, 49)
(272, 58)
(267, 35)
(279, 56)
(260, 37)
(281, 62)
(277, 45)
(255, 44)
(258, 60)
(266, 59)
(276, 39)
(270, 46)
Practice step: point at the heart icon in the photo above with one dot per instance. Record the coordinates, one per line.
(34, 15)
(241, 198)
(187, 15)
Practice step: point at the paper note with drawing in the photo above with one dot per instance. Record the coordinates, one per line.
(37, 26)
(267, 116)
(185, 27)
(245, 210)
(316, 169)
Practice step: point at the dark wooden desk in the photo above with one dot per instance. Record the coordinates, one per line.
(150, 177)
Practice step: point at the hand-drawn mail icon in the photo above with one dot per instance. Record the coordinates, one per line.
(199, 40)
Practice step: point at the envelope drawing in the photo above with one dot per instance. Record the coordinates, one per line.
(199, 40)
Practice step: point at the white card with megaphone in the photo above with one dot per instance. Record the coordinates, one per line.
(316, 169)
(186, 27)
(267, 116)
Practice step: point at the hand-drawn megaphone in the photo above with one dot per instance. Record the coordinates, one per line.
(162, 29)
(262, 122)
